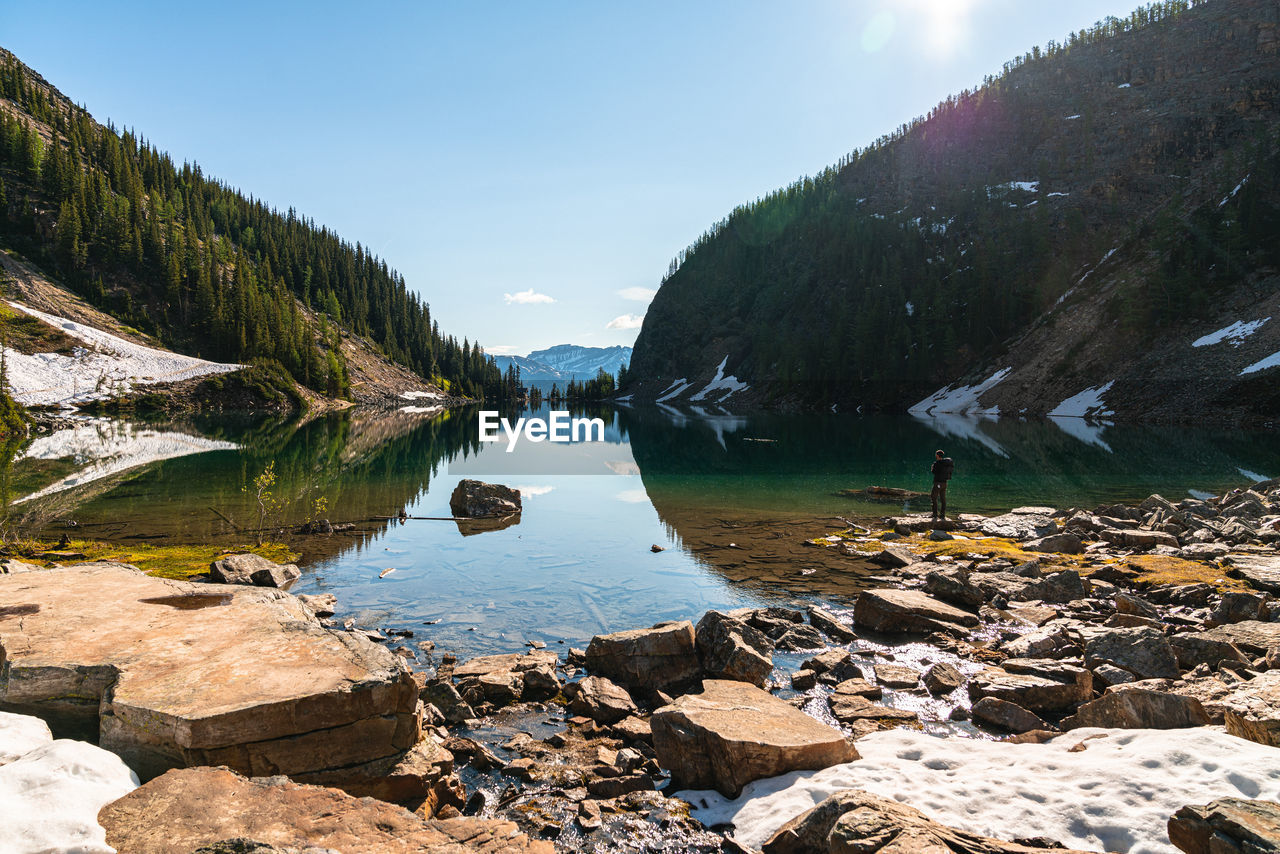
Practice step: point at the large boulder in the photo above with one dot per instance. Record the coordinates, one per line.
(893, 611)
(856, 821)
(169, 673)
(1064, 543)
(1143, 650)
(1226, 826)
(1252, 709)
(733, 733)
(1037, 685)
(1063, 586)
(1236, 606)
(1007, 716)
(191, 808)
(731, 649)
(1139, 709)
(1195, 648)
(475, 499)
(662, 658)
(1020, 526)
(253, 569)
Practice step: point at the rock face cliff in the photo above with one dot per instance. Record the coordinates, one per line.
(1095, 231)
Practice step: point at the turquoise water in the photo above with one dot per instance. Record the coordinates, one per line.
(729, 499)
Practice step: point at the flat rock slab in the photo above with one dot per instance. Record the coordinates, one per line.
(889, 610)
(1261, 571)
(733, 733)
(169, 673)
(663, 657)
(1252, 636)
(189, 808)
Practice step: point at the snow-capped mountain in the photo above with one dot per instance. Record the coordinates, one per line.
(567, 361)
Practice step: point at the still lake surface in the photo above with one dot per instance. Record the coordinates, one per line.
(729, 498)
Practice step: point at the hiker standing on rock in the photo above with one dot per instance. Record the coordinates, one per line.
(943, 467)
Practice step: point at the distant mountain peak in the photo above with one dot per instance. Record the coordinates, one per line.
(564, 362)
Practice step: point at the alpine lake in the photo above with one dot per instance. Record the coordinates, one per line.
(728, 499)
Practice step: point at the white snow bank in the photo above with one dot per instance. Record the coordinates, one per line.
(1235, 333)
(1110, 252)
(50, 795)
(1086, 404)
(21, 734)
(720, 382)
(1116, 794)
(108, 365)
(104, 447)
(1229, 196)
(676, 388)
(1272, 361)
(1123, 86)
(1071, 118)
(1058, 195)
(960, 400)
(416, 395)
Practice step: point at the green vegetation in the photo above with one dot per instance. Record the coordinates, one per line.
(164, 561)
(198, 264)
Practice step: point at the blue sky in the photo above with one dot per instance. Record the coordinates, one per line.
(530, 167)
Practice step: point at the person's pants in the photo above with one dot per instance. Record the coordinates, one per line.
(939, 498)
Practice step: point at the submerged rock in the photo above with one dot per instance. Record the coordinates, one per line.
(733, 733)
(889, 610)
(170, 673)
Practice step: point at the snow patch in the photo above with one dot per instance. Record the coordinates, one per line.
(1096, 266)
(109, 365)
(1086, 404)
(730, 384)
(1253, 475)
(1071, 118)
(418, 395)
(1229, 196)
(1123, 86)
(1114, 794)
(911, 309)
(103, 447)
(960, 400)
(1272, 361)
(1235, 333)
(1058, 195)
(51, 791)
(676, 388)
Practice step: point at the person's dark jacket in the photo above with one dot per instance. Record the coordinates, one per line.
(942, 469)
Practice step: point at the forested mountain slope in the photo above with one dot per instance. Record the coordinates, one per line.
(1077, 221)
(202, 267)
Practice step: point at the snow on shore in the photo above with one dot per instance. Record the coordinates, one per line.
(1115, 794)
(960, 400)
(106, 366)
(105, 447)
(51, 791)
(1272, 361)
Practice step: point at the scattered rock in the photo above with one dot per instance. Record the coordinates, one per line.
(253, 569)
(1007, 716)
(896, 676)
(857, 822)
(663, 657)
(1143, 651)
(800, 637)
(942, 678)
(952, 585)
(731, 649)
(1236, 607)
(1196, 648)
(1226, 826)
(322, 604)
(1035, 684)
(1065, 543)
(601, 700)
(1020, 526)
(189, 808)
(1261, 571)
(1253, 637)
(1139, 709)
(829, 624)
(908, 611)
(1252, 709)
(1063, 586)
(474, 499)
(733, 733)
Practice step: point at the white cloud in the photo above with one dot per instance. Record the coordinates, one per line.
(626, 321)
(501, 350)
(637, 294)
(529, 491)
(526, 297)
(633, 496)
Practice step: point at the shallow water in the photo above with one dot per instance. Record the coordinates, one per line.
(729, 499)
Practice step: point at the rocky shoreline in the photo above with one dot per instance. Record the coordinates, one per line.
(1023, 627)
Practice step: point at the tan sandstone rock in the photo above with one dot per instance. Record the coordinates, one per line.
(733, 733)
(169, 673)
(189, 808)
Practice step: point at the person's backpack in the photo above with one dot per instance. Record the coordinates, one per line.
(946, 467)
